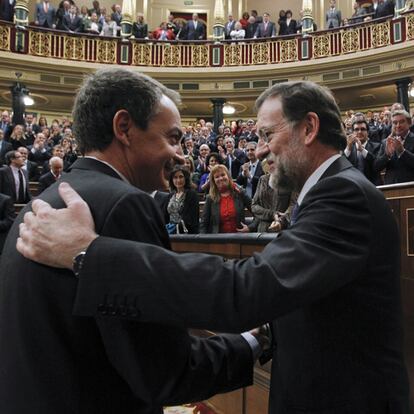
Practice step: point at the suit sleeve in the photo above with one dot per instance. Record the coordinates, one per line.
(163, 364)
(7, 217)
(204, 291)
(382, 159)
(206, 216)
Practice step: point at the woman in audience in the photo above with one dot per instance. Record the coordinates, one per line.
(69, 149)
(17, 137)
(238, 33)
(183, 206)
(140, 28)
(194, 175)
(109, 27)
(42, 122)
(212, 160)
(244, 20)
(225, 205)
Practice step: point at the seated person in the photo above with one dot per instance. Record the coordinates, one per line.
(224, 210)
(183, 206)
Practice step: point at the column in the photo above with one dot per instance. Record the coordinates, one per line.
(402, 92)
(218, 104)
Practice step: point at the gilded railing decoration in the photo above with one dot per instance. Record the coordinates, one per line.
(5, 33)
(95, 49)
(288, 50)
(410, 26)
(380, 34)
(200, 55)
(106, 51)
(233, 54)
(350, 41)
(321, 46)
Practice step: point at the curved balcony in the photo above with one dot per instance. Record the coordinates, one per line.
(372, 35)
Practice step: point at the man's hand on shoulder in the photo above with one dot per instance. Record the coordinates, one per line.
(54, 237)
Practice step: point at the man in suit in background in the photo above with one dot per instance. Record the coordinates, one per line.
(362, 152)
(7, 216)
(288, 26)
(30, 167)
(56, 168)
(333, 17)
(14, 181)
(5, 147)
(229, 26)
(396, 154)
(5, 124)
(72, 22)
(250, 171)
(194, 29)
(330, 282)
(266, 28)
(45, 15)
(7, 10)
(384, 8)
(94, 365)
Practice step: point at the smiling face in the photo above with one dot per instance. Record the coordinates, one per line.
(400, 125)
(153, 152)
(222, 181)
(179, 180)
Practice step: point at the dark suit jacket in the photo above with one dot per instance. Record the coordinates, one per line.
(330, 282)
(32, 171)
(228, 27)
(250, 30)
(139, 31)
(270, 30)
(397, 170)
(7, 10)
(101, 365)
(242, 180)
(161, 198)
(368, 162)
(74, 25)
(8, 187)
(5, 147)
(43, 17)
(6, 217)
(285, 29)
(384, 9)
(195, 34)
(210, 220)
(45, 181)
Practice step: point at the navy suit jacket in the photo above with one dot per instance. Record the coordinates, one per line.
(268, 32)
(330, 282)
(6, 217)
(5, 147)
(285, 29)
(7, 10)
(74, 25)
(192, 33)
(43, 17)
(8, 187)
(228, 27)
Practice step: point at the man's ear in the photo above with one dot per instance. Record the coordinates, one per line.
(311, 125)
(121, 124)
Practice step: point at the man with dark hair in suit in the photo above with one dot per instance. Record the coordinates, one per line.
(72, 22)
(288, 25)
(266, 28)
(30, 167)
(195, 29)
(56, 168)
(330, 282)
(233, 158)
(396, 154)
(129, 129)
(361, 151)
(14, 181)
(250, 171)
(229, 26)
(384, 8)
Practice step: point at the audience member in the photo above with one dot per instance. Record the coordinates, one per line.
(251, 28)
(109, 27)
(229, 26)
(250, 171)
(30, 167)
(396, 155)
(201, 162)
(140, 28)
(359, 13)
(62, 11)
(384, 8)
(183, 205)
(18, 138)
(361, 151)
(333, 16)
(212, 160)
(7, 10)
(45, 15)
(96, 8)
(288, 25)
(195, 29)
(171, 24)
(232, 158)
(71, 21)
(194, 175)
(163, 32)
(244, 20)
(56, 169)
(5, 124)
(13, 179)
(266, 28)
(92, 25)
(238, 33)
(224, 209)
(5, 147)
(39, 151)
(116, 15)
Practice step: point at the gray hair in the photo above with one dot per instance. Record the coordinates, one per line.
(402, 112)
(106, 92)
(300, 98)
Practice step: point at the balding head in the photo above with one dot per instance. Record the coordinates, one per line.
(56, 166)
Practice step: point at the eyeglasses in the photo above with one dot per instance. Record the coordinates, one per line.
(360, 129)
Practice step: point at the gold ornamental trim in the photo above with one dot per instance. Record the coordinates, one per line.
(350, 41)
(106, 51)
(410, 26)
(321, 46)
(5, 35)
(141, 54)
(288, 50)
(40, 44)
(380, 34)
(233, 54)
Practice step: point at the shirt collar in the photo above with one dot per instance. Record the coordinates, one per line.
(315, 176)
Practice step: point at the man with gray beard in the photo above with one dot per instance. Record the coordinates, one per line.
(329, 283)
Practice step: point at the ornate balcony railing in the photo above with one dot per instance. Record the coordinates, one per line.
(374, 34)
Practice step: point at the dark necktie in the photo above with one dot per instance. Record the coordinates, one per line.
(294, 214)
(21, 187)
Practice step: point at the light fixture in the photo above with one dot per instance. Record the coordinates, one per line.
(411, 91)
(228, 109)
(28, 101)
